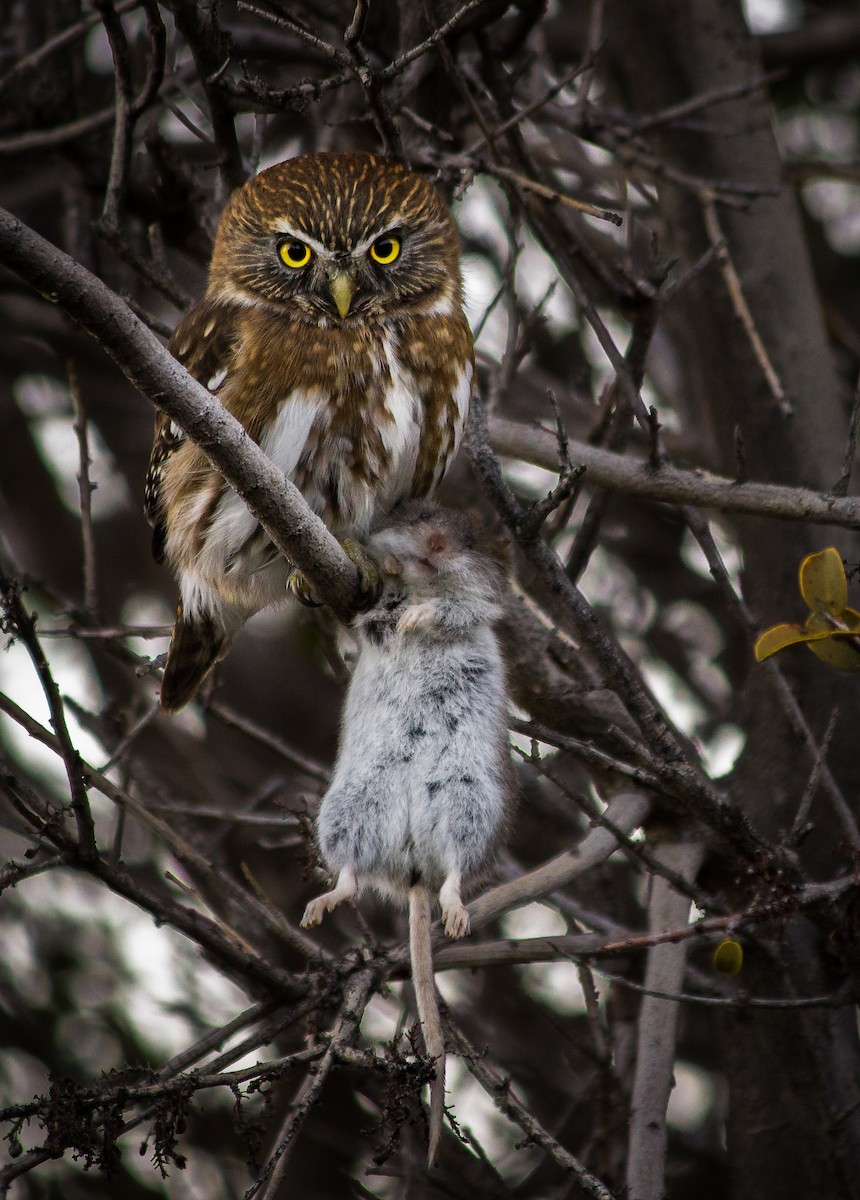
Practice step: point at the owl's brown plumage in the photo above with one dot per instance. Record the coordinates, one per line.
(332, 328)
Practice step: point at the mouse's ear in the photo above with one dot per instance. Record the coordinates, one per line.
(494, 539)
(479, 521)
(500, 547)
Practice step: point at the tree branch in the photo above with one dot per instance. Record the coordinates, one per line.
(658, 1028)
(672, 485)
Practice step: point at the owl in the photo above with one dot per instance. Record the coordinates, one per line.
(332, 327)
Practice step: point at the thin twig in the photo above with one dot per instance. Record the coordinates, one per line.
(626, 811)
(60, 135)
(257, 733)
(635, 850)
(553, 195)
(12, 873)
(398, 65)
(799, 827)
(298, 30)
(199, 27)
(67, 38)
(498, 1088)
(840, 487)
(123, 121)
(595, 37)
(22, 625)
(371, 84)
(632, 152)
(535, 516)
(130, 736)
(277, 924)
(356, 992)
(686, 108)
(590, 947)
(184, 120)
(86, 487)
(676, 285)
(107, 633)
(523, 114)
(135, 1093)
(736, 295)
(620, 424)
(836, 999)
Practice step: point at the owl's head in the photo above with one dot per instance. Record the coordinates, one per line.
(337, 237)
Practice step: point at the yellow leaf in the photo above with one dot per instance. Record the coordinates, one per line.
(841, 624)
(832, 629)
(822, 581)
(780, 636)
(839, 650)
(729, 957)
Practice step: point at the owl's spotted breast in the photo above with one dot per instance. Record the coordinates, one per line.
(358, 419)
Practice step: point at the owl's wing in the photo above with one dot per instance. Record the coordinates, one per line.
(445, 401)
(203, 342)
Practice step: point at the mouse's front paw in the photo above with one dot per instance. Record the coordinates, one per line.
(416, 616)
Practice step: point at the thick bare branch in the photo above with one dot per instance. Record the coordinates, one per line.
(658, 1029)
(672, 485)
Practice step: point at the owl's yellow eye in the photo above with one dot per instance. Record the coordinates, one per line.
(385, 249)
(295, 254)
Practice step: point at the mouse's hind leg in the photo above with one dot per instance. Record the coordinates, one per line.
(344, 889)
(454, 912)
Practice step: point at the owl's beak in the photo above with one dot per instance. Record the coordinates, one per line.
(342, 287)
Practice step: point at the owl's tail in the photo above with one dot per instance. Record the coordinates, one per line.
(196, 645)
(421, 953)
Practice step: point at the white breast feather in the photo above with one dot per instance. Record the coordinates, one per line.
(463, 392)
(402, 437)
(285, 438)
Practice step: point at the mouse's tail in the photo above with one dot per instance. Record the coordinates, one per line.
(421, 952)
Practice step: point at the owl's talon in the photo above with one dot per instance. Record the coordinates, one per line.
(368, 577)
(303, 590)
(368, 571)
